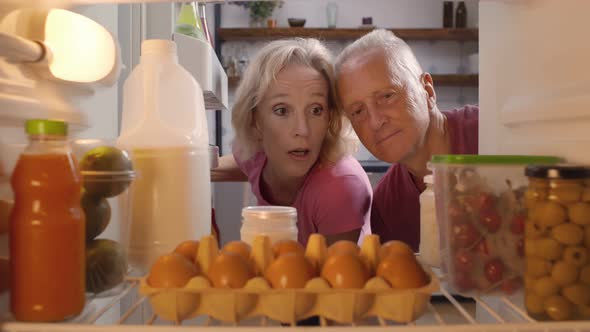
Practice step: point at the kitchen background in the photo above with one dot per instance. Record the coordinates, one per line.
(436, 56)
(452, 57)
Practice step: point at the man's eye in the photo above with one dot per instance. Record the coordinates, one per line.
(280, 111)
(356, 112)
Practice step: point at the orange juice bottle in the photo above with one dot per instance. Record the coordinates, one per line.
(47, 249)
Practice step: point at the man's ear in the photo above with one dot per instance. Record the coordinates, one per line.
(428, 85)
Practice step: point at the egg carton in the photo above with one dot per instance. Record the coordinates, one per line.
(317, 298)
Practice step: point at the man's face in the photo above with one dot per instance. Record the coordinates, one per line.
(388, 109)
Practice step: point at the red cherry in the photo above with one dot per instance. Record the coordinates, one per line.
(490, 220)
(463, 282)
(510, 286)
(482, 248)
(457, 213)
(517, 224)
(464, 260)
(493, 270)
(465, 235)
(482, 201)
(520, 247)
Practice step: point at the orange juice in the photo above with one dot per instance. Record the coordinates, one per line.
(47, 249)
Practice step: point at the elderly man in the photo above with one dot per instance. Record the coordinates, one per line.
(391, 104)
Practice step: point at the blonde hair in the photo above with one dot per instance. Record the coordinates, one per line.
(261, 74)
(398, 54)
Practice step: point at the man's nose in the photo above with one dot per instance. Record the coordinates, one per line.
(376, 119)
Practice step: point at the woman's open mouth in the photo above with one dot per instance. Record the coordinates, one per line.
(299, 154)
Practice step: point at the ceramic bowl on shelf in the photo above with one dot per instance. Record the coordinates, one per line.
(296, 22)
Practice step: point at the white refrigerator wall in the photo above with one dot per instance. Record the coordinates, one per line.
(534, 91)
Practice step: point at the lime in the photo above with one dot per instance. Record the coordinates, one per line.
(104, 169)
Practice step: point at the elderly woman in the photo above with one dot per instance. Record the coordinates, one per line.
(290, 144)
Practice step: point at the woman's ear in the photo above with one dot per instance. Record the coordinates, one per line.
(255, 126)
(428, 85)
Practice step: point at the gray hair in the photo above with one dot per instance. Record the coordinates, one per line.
(399, 55)
(261, 74)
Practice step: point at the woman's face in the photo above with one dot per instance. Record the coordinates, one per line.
(292, 119)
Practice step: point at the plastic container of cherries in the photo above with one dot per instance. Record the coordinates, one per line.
(481, 211)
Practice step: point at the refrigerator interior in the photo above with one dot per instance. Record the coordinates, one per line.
(519, 115)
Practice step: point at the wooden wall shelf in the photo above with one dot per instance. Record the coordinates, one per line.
(471, 80)
(234, 34)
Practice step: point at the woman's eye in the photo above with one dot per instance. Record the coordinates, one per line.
(280, 111)
(317, 110)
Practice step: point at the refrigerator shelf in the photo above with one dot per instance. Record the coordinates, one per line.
(130, 311)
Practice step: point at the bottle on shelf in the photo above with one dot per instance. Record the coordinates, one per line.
(187, 22)
(461, 15)
(47, 228)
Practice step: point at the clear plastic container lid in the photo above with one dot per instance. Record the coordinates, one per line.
(473, 159)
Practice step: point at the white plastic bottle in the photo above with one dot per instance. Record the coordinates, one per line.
(164, 127)
(429, 231)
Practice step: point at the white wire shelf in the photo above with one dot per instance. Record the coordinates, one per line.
(130, 311)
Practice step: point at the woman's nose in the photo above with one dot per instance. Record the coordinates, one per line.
(301, 126)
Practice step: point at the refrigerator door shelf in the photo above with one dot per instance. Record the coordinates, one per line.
(199, 58)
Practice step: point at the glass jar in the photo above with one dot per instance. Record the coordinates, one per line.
(277, 222)
(557, 240)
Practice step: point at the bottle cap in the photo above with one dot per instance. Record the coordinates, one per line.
(46, 127)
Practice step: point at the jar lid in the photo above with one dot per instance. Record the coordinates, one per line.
(557, 171)
(46, 127)
(269, 212)
(493, 159)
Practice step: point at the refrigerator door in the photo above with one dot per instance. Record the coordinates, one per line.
(534, 91)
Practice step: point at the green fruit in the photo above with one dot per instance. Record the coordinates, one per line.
(577, 256)
(564, 273)
(577, 294)
(548, 249)
(585, 275)
(98, 215)
(545, 287)
(568, 234)
(105, 159)
(549, 214)
(106, 265)
(558, 308)
(537, 267)
(534, 304)
(579, 213)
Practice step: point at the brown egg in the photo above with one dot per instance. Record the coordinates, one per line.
(402, 271)
(286, 246)
(289, 270)
(395, 247)
(343, 247)
(188, 249)
(229, 270)
(171, 271)
(345, 270)
(240, 248)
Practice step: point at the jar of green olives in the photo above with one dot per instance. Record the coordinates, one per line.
(557, 242)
